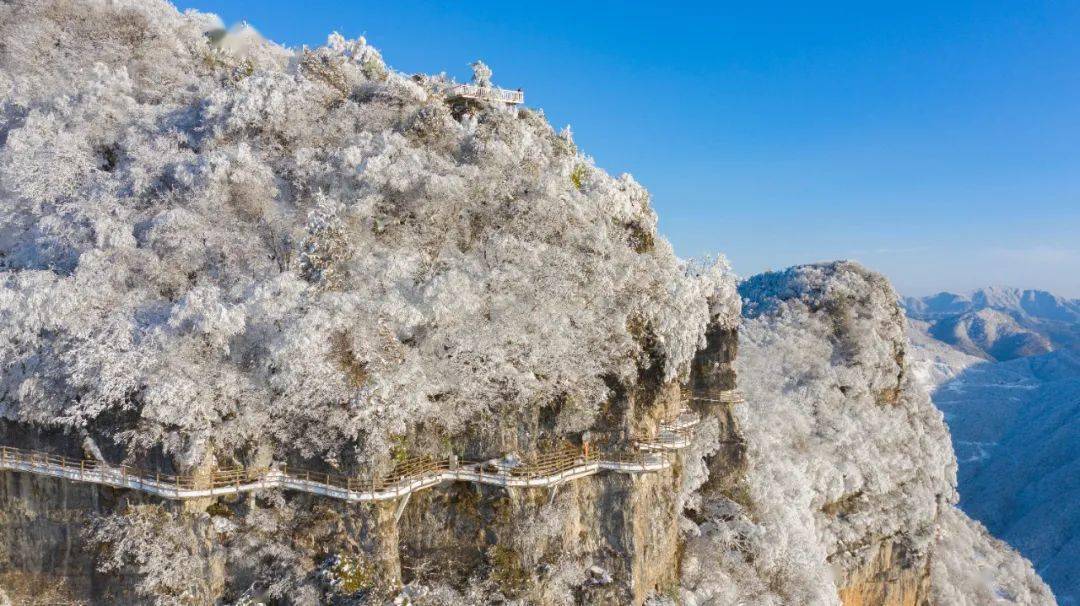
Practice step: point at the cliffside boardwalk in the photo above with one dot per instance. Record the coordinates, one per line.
(488, 93)
(547, 470)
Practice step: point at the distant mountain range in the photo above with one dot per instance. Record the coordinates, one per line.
(1000, 323)
(1004, 367)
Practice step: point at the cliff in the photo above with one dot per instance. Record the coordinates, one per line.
(220, 254)
(849, 488)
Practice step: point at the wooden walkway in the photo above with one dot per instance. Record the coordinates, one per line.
(728, 396)
(545, 470)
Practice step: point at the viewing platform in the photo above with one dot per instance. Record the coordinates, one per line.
(488, 93)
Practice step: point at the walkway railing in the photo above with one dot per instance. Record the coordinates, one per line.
(543, 470)
(675, 433)
(489, 93)
(727, 396)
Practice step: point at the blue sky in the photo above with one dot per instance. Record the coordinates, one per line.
(938, 143)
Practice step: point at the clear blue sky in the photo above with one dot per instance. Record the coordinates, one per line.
(936, 142)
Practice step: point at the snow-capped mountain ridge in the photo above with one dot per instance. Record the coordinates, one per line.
(1000, 323)
(1034, 303)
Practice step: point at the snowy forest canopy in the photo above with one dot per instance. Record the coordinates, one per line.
(210, 244)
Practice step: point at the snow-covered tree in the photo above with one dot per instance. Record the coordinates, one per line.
(481, 73)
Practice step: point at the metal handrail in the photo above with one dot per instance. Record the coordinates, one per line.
(474, 91)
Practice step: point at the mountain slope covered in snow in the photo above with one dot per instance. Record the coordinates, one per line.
(850, 475)
(1016, 430)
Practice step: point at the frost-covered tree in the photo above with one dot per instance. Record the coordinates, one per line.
(161, 555)
(971, 567)
(481, 74)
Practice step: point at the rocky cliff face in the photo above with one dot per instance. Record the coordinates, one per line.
(850, 476)
(599, 540)
(49, 555)
(42, 547)
(890, 576)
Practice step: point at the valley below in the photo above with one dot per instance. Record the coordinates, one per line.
(1015, 427)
